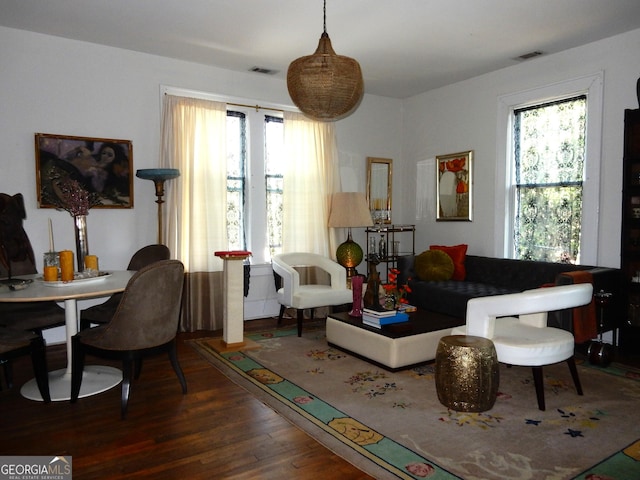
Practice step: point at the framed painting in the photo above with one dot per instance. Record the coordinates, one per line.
(103, 167)
(455, 186)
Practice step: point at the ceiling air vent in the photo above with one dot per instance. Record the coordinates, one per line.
(530, 55)
(265, 71)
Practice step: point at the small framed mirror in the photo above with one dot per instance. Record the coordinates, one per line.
(379, 175)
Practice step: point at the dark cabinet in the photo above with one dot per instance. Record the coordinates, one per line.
(630, 247)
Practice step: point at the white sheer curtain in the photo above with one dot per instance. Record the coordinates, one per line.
(310, 178)
(194, 141)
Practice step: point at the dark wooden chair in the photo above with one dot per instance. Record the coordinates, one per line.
(102, 313)
(16, 258)
(15, 343)
(145, 323)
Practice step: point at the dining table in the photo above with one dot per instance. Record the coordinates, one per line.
(33, 288)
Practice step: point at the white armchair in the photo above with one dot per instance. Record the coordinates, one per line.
(293, 294)
(526, 340)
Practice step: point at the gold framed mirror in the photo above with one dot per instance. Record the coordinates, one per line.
(379, 176)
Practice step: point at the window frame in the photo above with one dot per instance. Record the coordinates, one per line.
(272, 249)
(542, 187)
(255, 200)
(242, 179)
(505, 202)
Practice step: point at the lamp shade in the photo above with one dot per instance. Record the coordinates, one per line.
(349, 209)
(158, 176)
(158, 173)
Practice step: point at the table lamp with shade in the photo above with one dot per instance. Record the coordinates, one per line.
(349, 209)
(158, 176)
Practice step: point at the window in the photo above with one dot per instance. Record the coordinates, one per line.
(251, 177)
(254, 182)
(513, 206)
(274, 133)
(549, 153)
(236, 161)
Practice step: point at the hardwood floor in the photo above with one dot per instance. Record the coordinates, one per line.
(217, 430)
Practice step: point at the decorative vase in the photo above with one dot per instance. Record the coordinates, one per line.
(391, 300)
(82, 241)
(356, 287)
(382, 248)
(372, 295)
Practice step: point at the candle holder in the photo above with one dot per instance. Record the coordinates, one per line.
(51, 259)
(51, 266)
(599, 352)
(356, 287)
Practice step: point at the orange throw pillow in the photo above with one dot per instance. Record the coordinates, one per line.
(458, 254)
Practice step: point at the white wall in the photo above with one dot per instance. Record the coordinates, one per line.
(375, 128)
(59, 86)
(463, 116)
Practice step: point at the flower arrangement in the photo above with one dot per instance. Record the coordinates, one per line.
(69, 195)
(396, 294)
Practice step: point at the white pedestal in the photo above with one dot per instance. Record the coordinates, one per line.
(233, 307)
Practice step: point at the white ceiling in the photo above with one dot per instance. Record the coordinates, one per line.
(404, 47)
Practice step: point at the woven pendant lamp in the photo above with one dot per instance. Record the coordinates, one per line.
(325, 86)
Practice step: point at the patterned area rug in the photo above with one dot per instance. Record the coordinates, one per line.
(391, 425)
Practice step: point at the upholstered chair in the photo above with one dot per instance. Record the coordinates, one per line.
(14, 343)
(16, 258)
(103, 312)
(145, 323)
(296, 295)
(517, 325)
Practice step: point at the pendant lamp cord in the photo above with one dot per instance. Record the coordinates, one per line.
(324, 11)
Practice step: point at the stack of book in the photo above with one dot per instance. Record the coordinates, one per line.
(381, 317)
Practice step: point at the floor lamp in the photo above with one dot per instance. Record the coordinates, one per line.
(159, 176)
(349, 209)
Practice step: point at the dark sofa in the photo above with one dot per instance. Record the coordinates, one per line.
(487, 276)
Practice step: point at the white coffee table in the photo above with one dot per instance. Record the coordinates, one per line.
(394, 346)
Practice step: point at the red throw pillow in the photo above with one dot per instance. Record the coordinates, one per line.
(458, 254)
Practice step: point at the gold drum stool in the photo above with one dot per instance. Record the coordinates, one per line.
(467, 373)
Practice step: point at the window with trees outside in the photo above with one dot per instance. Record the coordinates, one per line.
(255, 143)
(549, 150)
